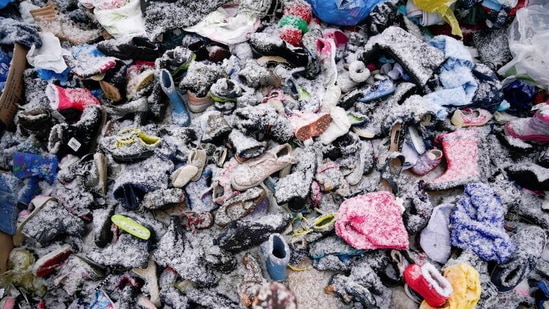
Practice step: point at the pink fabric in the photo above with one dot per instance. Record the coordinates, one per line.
(372, 221)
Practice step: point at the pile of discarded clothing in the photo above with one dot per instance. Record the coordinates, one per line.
(191, 154)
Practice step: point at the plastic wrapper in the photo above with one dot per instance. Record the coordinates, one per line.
(343, 12)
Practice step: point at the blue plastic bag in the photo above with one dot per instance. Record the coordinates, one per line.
(4, 3)
(343, 12)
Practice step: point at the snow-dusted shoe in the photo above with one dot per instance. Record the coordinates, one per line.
(350, 290)
(427, 161)
(245, 147)
(461, 152)
(531, 129)
(428, 282)
(51, 220)
(253, 279)
(308, 125)
(131, 48)
(275, 295)
(130, 145)
(51, 261)
(241, 235)
(132, 183)
(27, 165)
(63, 98)
(263, 121)
(216, 128)
(62, 26)
(79, 138)
(241, 205)
(252, 172)
(468, 117)
(176, 250)
(530, 240)
(180, 113)
(276, 253)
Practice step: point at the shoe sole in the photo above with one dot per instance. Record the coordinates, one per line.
(314, 129)
(49, 262)
(131, 226)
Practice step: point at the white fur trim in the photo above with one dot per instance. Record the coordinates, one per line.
(437, 281)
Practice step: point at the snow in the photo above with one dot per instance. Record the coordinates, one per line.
(492, 181)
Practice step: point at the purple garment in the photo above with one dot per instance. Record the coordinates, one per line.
(477, 224)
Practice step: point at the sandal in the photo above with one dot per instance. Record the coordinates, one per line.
(241, 205)
(320, 224)
(392, 162)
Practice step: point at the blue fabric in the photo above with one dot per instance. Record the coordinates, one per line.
(198, 195)
(27, 165)
(477, 224)
(458, 83)
(50, 75)
(4, 3)
(343, 12)
(378, 90)
(520, 95)
(489, 95)
(8, 203)
(31, 188)
(86, 49)
(5, 60)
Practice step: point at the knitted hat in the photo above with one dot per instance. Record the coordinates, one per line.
(372, 221)
(477, 224)
(294, 22)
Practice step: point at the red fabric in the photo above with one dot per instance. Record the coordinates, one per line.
(300, 9)
(291, 35)
(372, 221)
(77, 98)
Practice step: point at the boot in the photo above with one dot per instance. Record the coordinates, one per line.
(79, 138)
(180, 113)
(64, 98)
(276, 253)
(534, 129)
(461, 152)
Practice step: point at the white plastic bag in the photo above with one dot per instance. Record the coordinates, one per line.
(529, 45)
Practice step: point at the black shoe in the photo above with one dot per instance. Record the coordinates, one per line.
(77, 139)
(241, 235)
(266, 45)
(36, 121)
(136, 48)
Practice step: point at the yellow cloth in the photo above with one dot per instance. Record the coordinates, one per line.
(465, 282)
(441, 7)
